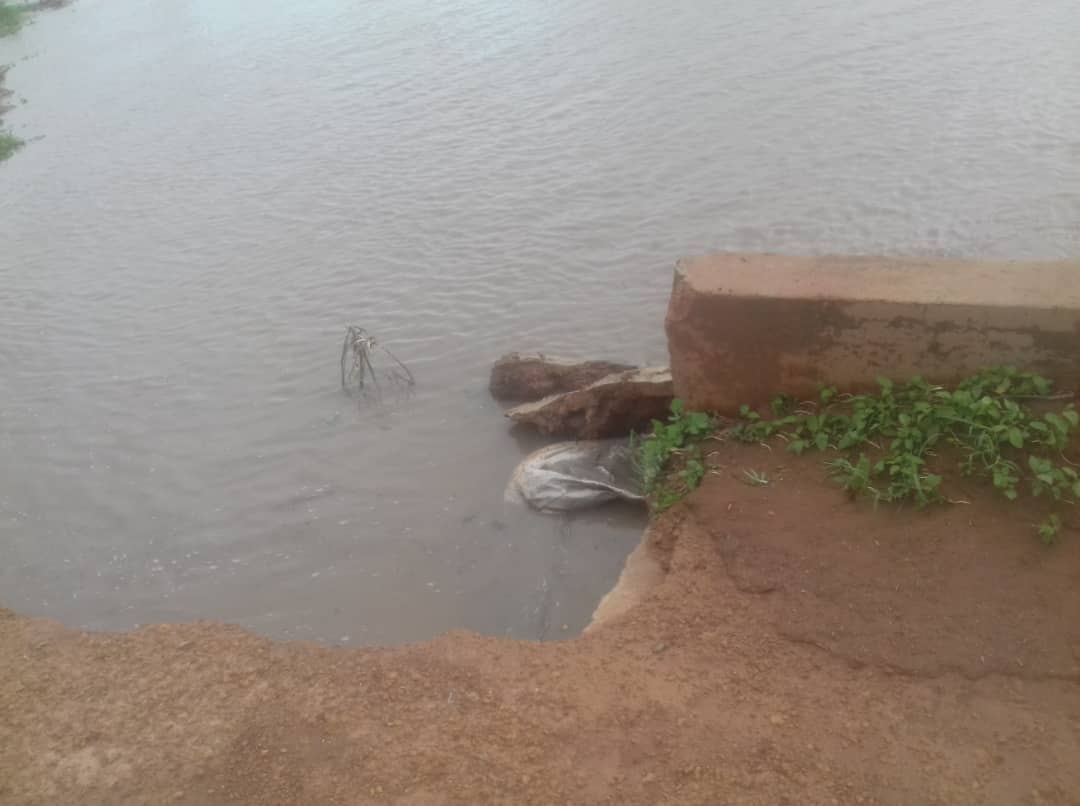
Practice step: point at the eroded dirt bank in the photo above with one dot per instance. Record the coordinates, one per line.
(801, 649)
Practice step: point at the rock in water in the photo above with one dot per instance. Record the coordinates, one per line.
(575, 475)
(612, 406)
(531, 376)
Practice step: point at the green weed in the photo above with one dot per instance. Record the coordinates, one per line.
(984, 421)
(1050, 528)
(853, 478)
(654, 453)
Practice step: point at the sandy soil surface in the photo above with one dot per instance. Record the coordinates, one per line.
(801, 649)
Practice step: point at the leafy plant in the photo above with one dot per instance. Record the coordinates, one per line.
(1049, 528)
(694, 471)
(676, 437)
(853, 478)
(984, 420)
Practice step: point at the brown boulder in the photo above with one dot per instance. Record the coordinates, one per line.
(613, 406)
(531, 376)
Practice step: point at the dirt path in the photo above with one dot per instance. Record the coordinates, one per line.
(801, 649)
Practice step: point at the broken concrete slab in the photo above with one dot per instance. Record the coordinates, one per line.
(745, 328)
(612, 406)
(532, 376)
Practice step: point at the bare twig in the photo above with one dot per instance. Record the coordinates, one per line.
(345, 353)
(408, 373)
(366, 356)
(360, 344)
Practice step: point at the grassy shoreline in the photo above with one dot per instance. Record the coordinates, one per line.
(11, 22)
(1000, 425)
(9, 143)
(13, 16)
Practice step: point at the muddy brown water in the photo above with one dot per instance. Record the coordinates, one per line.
(218, 191)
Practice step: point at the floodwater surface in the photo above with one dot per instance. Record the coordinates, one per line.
(220, 188)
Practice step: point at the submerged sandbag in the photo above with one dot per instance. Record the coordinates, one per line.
(568, 476)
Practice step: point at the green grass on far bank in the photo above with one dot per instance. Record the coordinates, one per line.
(9, 144)
(11, 19)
